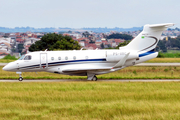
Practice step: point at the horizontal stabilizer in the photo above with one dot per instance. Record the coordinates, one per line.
(122, 61)
(162, 25)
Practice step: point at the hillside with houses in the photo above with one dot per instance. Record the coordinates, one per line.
(17, 43)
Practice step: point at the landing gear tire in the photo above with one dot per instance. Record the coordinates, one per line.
(94, 78)
(20, 79)
(20, 76)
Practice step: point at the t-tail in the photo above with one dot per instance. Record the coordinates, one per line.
(147, 40)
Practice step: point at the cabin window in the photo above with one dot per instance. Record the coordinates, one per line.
(86, 57)
(59, 58)
(27, 57)
(74, 57)
(52, 58)
(66, 58)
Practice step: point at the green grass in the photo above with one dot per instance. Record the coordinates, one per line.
(5, 61)
(133, 72)
(171, 55)
(90, 100)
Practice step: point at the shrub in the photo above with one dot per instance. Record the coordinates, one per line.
(168, 55)
(9, 57)
(160, 55)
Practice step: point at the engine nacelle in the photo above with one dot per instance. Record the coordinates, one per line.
(117, 55)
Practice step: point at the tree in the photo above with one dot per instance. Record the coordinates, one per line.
(120, 36)
(86, 34)
(104, 36)
(54, 41)
(175, 42)
(162, 46)
(123, 44)
(102, 45)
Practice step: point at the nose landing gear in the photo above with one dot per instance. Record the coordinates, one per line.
(20, 76)
(20, 79)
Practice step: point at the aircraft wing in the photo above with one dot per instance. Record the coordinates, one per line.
(87, 69)
(118, 65)
(83, 72)
(122, 61)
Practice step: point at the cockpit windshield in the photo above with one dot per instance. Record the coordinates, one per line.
(22, 57)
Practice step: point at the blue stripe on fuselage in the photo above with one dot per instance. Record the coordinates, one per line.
(87, 60)
(146, 53)
(61, 62)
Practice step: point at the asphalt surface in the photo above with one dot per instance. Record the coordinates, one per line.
(141, 64)
(3, 64)
(158, 64)
(78, 80)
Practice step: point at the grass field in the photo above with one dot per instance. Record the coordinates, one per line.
(134, 72)
(90, 100)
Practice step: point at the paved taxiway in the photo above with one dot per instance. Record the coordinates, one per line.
(78, 80)
(3, 64)
(158, 64)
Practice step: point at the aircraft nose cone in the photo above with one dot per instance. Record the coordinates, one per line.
(5, 68)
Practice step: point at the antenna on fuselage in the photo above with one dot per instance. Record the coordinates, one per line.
(46, 50)
(96, 49)
(81, 48)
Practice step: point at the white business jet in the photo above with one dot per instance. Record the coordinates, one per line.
(92, 62)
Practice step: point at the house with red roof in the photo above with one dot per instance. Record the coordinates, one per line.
(3, 54)
(91, 47)
(117, 41)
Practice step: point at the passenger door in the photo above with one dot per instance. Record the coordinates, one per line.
(43, 61)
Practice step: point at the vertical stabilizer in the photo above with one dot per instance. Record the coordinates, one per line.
(148, 38)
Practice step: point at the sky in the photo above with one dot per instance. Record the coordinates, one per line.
(88, 13)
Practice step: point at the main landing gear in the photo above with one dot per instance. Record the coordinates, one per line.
(20, 76)
(91, 76)
(94, 78)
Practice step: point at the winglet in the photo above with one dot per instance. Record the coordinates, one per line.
(122, 61)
